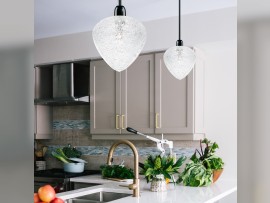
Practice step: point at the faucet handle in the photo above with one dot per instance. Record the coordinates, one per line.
(129, 129)
(132, 186)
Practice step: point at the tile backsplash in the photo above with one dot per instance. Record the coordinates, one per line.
(71, 125)
(124, 151)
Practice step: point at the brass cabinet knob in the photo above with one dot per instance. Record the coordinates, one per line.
(156, 125)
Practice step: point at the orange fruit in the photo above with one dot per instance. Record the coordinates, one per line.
(36, 198)
(46, 193)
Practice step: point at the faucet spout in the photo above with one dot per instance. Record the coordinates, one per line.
(136, 182)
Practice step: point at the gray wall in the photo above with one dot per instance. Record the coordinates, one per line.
(16, 124)
(253, 110)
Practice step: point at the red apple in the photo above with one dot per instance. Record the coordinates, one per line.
(46, 193)
(57, 200)
(36, 198)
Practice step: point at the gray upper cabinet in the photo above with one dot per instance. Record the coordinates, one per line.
(122, 99)
(180, 104)
(137, 104)
(173, 100)
(43, 122)
(104, 99)
(147, 98)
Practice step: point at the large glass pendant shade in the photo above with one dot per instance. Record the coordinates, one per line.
(179, 60)
(119, 40)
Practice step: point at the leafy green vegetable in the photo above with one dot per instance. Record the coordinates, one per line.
(60, 157)
(63, 154)
(60, 152)
(195, 175)
(71, 152)
(155, 165)
(116, 171)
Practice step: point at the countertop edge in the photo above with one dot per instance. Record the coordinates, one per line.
(211, 194)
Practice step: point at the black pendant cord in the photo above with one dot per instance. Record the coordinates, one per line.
(179, 42)
(120, 10)
(179, 22)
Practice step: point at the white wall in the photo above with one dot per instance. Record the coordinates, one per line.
(221, 100)
(197, 28)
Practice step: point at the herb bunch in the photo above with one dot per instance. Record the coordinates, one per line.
(116, 171)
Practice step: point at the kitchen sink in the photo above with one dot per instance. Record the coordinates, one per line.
(101, 196)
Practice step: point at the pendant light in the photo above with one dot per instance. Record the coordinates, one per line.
(119, 39)
(179, 59)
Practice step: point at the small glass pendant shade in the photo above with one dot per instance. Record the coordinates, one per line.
(119, 40)
(179, 60)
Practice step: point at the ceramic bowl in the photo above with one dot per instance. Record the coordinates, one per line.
(74, 167)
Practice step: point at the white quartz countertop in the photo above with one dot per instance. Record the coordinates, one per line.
(174, 194)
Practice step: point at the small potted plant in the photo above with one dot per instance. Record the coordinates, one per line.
(158, 168)
(204, 167)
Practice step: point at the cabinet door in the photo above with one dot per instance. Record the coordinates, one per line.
(137, 95)
(173, 100)
(43, 122)
(104, 99)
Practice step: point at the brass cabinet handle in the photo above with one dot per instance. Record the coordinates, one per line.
(117, 122)
(123, 118)
(157, 115)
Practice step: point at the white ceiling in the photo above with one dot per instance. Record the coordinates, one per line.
(59, 17)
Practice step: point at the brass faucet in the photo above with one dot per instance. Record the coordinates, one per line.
(136, 182)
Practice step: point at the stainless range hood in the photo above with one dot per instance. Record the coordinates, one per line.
(62, 84)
